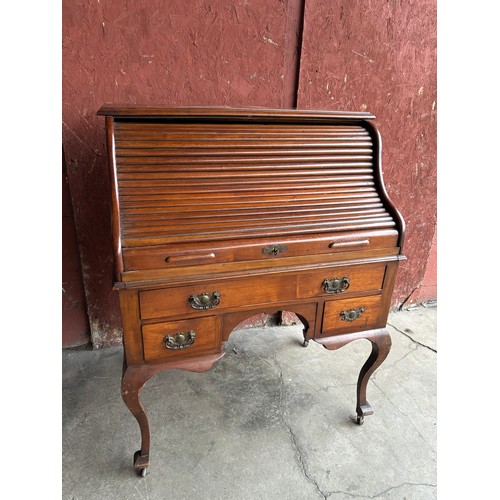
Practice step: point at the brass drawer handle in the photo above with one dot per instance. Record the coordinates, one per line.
(181, 340)
(274, 249)
(336, 285)
(205, 300)
(352, 314)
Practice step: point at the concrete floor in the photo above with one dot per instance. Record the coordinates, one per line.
(270, 421)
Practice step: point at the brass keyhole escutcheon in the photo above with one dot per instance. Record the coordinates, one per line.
(274, 250)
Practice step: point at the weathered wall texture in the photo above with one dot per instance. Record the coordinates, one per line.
(380, 56)
(177, 53)
(75, 325)
(427, 291)
(374, 55)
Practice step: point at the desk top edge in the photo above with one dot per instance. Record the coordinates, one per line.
(227, 112)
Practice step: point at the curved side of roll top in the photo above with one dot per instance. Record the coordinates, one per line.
(391, 208)
(115, 199)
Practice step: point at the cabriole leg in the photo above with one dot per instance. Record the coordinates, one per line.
(133, 379)
(381, 345)
(305, 329)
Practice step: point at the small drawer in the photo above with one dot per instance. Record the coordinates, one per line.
(339, 281)
(196, 299)
(343, 316)
(180, 339)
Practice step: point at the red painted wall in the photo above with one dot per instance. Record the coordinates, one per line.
(427, 290)
(380, 56)
(177, 52)
(201, 52)
(75, 325)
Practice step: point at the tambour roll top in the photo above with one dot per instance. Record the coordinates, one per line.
(227, 178)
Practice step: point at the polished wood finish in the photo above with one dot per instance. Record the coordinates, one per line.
(133, 379)
(381, 345)
(335, 323)
(206, 341)
(222, 213)
(169, 256)
(258, 290)
(228, 114)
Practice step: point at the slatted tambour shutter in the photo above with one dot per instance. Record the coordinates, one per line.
(181, 182)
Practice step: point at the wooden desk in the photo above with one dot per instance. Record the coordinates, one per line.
(220, 213)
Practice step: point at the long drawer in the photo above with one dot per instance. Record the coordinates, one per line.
(171, 256)
(193, 299)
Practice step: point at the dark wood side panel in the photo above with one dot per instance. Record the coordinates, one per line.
(115, 198)
(132, 340)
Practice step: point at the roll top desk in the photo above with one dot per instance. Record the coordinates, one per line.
(222, 213)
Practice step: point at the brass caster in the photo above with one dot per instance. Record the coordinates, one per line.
(141, 463)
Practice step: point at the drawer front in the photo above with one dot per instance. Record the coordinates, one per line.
(180, 339)
(260, 290)
(347, 315)
(171, 256)
(339, 281)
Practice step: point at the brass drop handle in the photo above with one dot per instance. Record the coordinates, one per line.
(205, 300)
(336, 285)
(352, 314)
(180, 340)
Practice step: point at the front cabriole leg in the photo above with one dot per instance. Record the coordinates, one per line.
(381, 345)
(133, 379)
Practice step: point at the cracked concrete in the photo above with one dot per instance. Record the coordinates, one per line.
(272, 420)
(293, 436)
